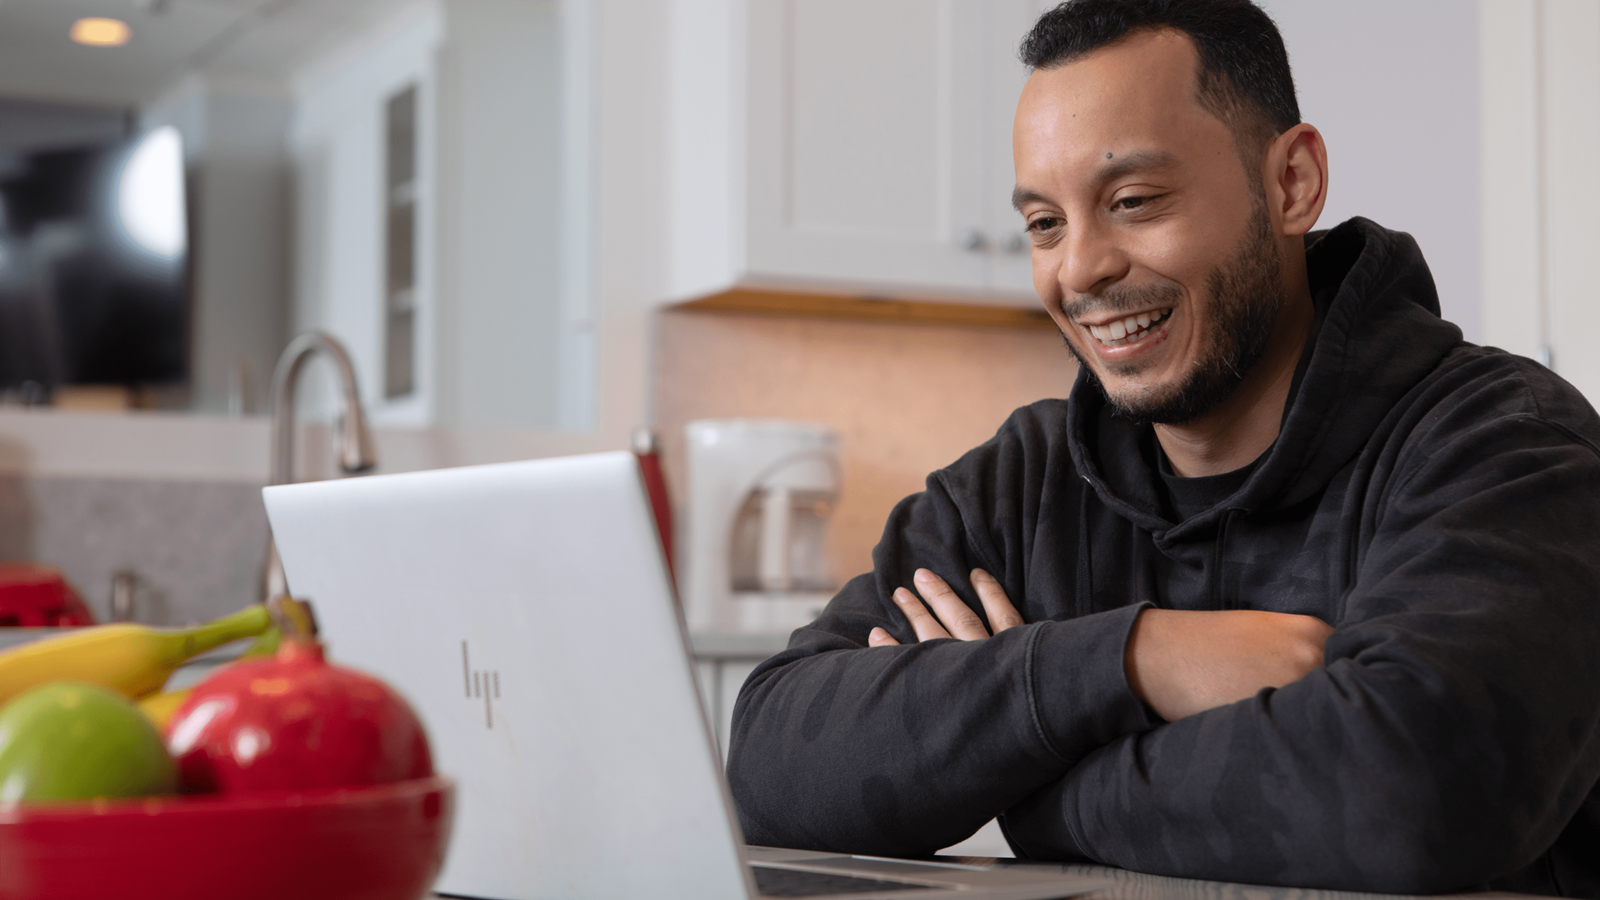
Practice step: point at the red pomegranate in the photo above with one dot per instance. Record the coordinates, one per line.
(295, 722)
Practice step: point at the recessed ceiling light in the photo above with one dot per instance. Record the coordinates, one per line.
(100, 32)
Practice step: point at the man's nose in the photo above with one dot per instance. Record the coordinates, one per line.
(1093, 260)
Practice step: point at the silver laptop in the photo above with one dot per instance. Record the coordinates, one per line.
(525, 611)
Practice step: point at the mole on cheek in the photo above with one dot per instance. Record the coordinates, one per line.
(1108, 156)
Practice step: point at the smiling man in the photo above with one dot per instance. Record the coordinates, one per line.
(1298, 587)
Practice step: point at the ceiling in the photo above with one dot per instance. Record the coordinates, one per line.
(250, 39)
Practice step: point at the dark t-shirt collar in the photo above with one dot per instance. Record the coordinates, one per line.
(1187, 497)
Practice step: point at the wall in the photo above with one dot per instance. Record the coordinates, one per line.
(1393, 87)
(233, 135)
(906, 399)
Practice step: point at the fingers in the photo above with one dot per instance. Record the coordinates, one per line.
(956, 616)
(951, 617)
(996, 604)
(922, 622)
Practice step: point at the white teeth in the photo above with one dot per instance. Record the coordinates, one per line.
(1125, 330)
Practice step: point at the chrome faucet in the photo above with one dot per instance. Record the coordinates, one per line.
(356, 452)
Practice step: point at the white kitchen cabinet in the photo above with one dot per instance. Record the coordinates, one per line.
(497, 302)
(846, 146)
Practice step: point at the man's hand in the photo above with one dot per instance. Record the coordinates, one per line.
(955, 618)
(1186, 661)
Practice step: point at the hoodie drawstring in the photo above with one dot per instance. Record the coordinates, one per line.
(1217, 602)
(1084, 599)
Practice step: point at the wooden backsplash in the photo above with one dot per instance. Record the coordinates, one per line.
(906, 398)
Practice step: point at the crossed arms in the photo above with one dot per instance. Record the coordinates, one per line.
(1445, 737)
(1180, 662)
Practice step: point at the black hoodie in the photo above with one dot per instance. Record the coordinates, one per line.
(1438, 503)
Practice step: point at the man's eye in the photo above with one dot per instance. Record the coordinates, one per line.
(1126, 203)
(1043, 224)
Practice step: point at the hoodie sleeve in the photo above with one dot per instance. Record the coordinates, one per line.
(905, 750)
(1449, 736)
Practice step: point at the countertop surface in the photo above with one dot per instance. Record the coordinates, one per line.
(1139, 886)
(737, 645)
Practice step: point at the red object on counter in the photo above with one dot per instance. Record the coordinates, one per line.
(38, 596)
(295, 722)
(385, 842)
(655, 486)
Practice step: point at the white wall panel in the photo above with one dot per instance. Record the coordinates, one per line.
(1393, 87)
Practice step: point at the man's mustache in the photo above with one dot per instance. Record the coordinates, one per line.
(1122, 299)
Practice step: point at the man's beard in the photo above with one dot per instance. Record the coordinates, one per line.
(1246, 293)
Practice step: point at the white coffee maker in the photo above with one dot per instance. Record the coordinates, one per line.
(760, 493)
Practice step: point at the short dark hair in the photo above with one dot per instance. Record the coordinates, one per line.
(1244, 76)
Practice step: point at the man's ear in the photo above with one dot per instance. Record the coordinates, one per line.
(1296, 173)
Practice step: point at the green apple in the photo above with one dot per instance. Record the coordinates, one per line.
(70, 741)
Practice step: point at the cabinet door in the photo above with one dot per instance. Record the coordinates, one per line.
(1008, 250)
(871, 128)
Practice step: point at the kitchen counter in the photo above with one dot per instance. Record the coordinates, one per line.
(754, 647)
(1139, 886)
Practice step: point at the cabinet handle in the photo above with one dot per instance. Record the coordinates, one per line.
(971, 240)
(1015, 243)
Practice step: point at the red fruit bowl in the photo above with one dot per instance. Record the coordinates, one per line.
(383, 842)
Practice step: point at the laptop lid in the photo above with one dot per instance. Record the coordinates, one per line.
(524, 610)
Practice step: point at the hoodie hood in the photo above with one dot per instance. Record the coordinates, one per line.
(1379, 334)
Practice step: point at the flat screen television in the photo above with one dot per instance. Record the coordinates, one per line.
(94, 274)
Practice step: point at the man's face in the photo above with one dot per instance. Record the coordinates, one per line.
(1153, 249)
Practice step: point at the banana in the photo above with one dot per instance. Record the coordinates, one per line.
(133, 660)
(159, 707)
